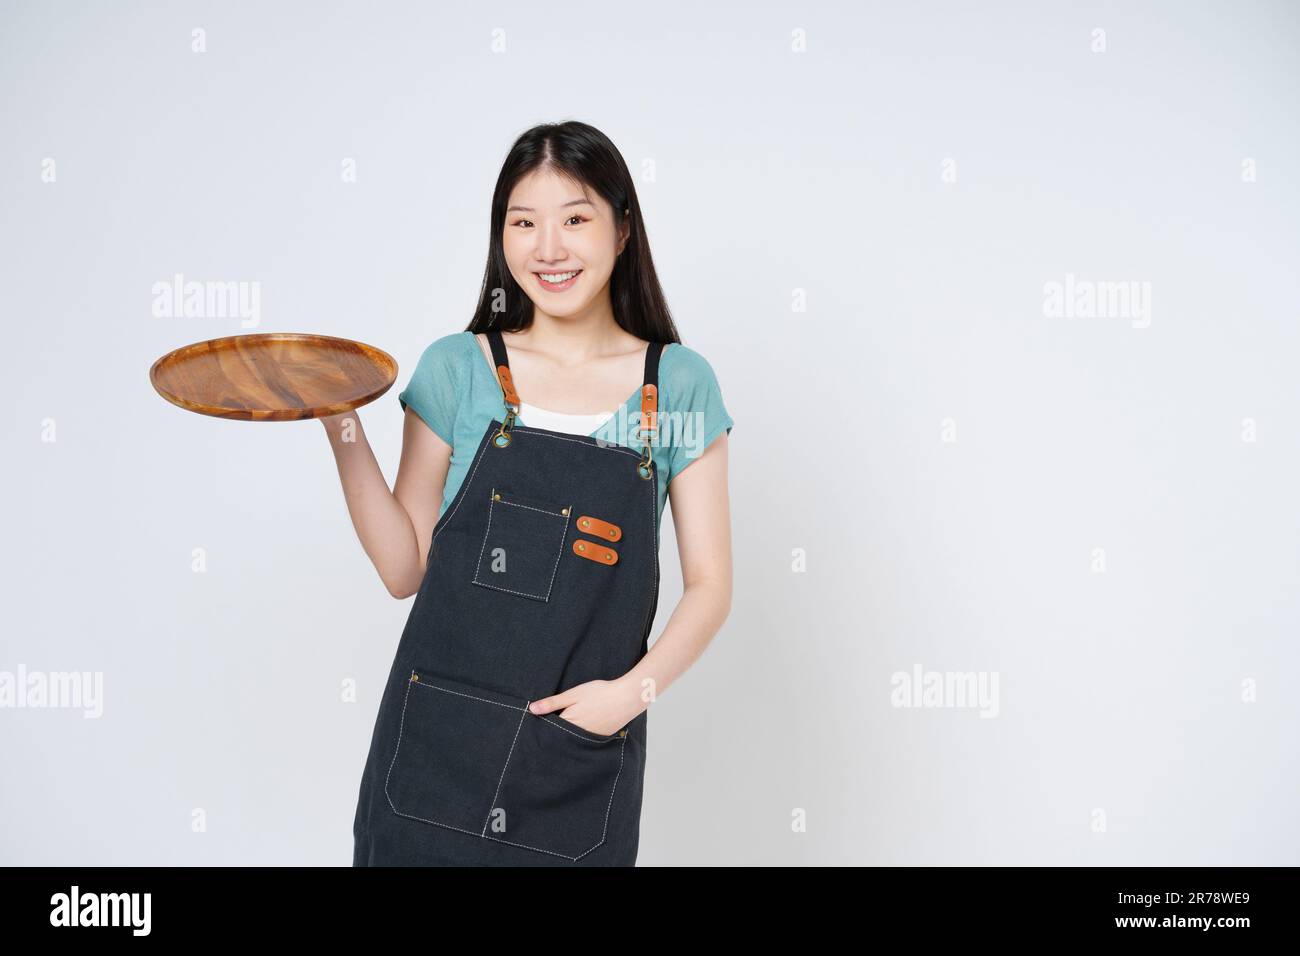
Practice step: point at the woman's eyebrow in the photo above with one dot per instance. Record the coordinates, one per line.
(571, 202)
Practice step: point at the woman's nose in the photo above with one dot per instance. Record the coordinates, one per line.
(550, 243)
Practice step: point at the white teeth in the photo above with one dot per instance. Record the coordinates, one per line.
(558, 276)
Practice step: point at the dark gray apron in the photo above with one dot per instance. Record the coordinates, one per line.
(543, 573)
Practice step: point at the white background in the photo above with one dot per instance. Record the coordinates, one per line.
(1122, 735)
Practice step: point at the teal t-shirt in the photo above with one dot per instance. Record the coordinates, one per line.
(453, 389)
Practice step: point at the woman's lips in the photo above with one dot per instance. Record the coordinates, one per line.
(558, 286)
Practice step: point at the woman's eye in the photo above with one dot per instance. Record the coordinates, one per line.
(528, 222)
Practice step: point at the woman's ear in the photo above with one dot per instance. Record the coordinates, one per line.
(624, 232)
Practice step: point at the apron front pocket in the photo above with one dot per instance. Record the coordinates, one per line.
(558, 787)
(452, 742)
(522, 544)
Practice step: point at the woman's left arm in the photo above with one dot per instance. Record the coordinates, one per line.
(702, 519)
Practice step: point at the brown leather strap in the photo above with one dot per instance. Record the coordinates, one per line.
(502, 361)
(601, 529)
(595, 552)
(508, 385)
(649, 408)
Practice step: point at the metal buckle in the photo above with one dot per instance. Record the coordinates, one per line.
(643, 466)
(502, 438)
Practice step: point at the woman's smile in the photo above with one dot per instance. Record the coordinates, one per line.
(557, 281)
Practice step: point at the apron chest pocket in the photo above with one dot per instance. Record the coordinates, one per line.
(522, 544)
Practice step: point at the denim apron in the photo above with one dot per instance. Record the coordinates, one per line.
(542, 574)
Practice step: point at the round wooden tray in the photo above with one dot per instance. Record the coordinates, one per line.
(273, 376)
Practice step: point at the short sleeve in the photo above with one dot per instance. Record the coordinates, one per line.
(434, 388)
(697, 414)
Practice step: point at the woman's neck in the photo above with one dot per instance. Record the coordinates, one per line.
(572, 340)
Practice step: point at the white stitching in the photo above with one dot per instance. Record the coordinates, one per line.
(401, 727)
(593, 739)
(564, 536)
(604, 831)
(562, 856)
(590, 443)
(486, 531)
(609, 804)
(492, 503)
(524, 713)
(524, 429)
(466, 487)
(493, 805)
(654, 524)
(496, 587)
(553, 514)
(436, 823)
(424, 683)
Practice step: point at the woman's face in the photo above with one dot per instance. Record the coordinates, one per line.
(561, 240)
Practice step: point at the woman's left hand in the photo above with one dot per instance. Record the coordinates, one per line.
(599, 706)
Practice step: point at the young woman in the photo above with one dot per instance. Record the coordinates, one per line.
(525, 518)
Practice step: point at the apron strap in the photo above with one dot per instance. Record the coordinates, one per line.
(503, 368)
(650, 390)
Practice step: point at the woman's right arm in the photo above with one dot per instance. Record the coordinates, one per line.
(394, 527)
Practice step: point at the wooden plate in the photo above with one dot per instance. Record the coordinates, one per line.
(273, 376)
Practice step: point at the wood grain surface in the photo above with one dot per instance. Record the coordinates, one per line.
(273, 376)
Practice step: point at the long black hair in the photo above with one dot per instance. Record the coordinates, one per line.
(586, 155)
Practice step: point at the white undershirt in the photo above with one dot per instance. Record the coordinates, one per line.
(535, 417)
